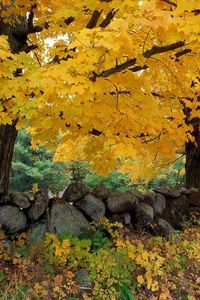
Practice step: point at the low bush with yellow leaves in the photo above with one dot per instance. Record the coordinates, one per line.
(119, 267)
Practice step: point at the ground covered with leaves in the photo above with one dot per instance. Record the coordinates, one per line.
(113, 264)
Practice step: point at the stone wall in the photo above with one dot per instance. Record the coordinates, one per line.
(160, 211)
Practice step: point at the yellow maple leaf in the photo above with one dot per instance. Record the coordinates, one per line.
(140, 279)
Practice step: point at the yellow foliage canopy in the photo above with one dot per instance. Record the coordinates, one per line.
(117, 81)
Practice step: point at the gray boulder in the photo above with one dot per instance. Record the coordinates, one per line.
(185, 191)
(144, 214)
(5, 199)
(38, 207)
(178, 207)
(93, 207)
(157, 201)
(193, 189)
(83, 279)
(162, 227)
(29, 195)
(168, 191)
(75, 191)
(101, 192)
(66, 218)
(124, 218)
(118, 202)
(138, 195)
(12, 218)
(37, 232)
(20, 200)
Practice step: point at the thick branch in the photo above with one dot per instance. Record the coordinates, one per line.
(108, 18)
(94, 19)
(139, 68)
(156, 95)
(161, 49)
(195, 11)
(183, 52)
(69, 20)
(114, 70)
(95, 132)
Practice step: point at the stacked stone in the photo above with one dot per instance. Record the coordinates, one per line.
(160, 211)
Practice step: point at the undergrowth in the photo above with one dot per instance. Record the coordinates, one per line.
(117, 266)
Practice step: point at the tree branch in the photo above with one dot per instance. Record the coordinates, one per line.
(161, 49)
(170, 2)
(195, 11)
(114, 70)
(108, 18)
(69, 20)
(95, 132)
(183, 52)
(139, 68)
(94, 19)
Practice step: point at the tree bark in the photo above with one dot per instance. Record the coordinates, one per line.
(193, 160)
(17, 37)
(8, 134)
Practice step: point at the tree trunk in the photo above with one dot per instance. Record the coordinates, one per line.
(193, 160)
(8, 134)
(17, 37)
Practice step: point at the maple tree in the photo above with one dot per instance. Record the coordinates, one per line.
(119, 85)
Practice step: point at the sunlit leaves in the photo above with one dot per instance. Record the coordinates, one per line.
(72, 83)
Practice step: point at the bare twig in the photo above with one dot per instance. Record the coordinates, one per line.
(145, 41)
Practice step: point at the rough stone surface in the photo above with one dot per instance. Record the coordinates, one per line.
(194, 199)
(83, 279)
(12, 218)
(138, 195)
(75, 191)
(116, 218)
(185, 191)
(101, 192)
(178, 206)
(168, 191)
(149, 198)
(93, 207)
(37, 232)
(66, 218)
(144, 214)
(193, 189)
(20, 200)
(118, 202)
(29, 195)
(4, 200)
(38, 207)
(126, 218)
(129, 208)
(162, 227)
(157, 201)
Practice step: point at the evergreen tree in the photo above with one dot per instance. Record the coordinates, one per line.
(35, 166)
